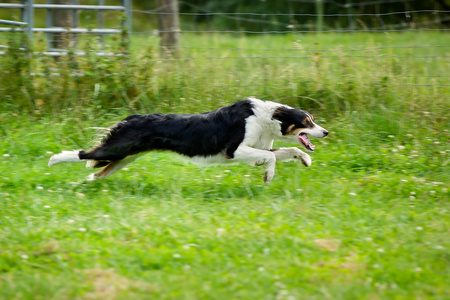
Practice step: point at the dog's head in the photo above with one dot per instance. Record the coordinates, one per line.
(296, 124)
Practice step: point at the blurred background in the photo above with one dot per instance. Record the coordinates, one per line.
(330, 54)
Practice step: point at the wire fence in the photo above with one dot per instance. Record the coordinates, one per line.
(412, 44)
(371, 42)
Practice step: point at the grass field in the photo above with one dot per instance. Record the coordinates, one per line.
(368, 220)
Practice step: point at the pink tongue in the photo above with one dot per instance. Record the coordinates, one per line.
(304, 138)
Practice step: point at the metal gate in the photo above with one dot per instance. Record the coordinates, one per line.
(27, 12)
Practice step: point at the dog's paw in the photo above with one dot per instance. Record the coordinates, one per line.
(267, 178)
(90, 163)
(50, 161)
(270, 173)
(306, 159)
(53, 160)
(92, 177)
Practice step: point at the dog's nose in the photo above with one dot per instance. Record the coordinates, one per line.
(325, 133)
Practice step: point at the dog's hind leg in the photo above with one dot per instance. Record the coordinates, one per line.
(65, 156)
(112, 168)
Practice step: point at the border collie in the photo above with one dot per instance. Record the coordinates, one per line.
(241, 132)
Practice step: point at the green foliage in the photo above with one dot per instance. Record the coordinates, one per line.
(313, 71)
(14, 77)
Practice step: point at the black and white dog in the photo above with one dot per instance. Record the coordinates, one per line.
(241, 132)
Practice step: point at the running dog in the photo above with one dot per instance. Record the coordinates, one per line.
(243, 132)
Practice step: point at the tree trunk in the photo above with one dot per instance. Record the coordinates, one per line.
(62, 18)
(169, 27)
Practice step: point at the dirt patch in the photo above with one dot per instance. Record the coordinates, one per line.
(328, 244)
(107, 284)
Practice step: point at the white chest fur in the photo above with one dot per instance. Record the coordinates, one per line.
(261, 128)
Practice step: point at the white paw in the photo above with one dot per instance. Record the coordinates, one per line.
(90, 163)
(54, 160)
(270, 173)
(51, 161)
(306, 159)
(91, 177)
(268, 177)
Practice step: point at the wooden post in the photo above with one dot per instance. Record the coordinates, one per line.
(169, 27)
(319, 12)
(62, 18)
(350, 15)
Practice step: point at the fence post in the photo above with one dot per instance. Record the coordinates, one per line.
(100, 21)
(28, 16)
(350, 14)
(169, 27)
(48, 24)
(129, 14)
(319, 11)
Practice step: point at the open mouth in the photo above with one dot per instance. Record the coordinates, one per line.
(304, 139)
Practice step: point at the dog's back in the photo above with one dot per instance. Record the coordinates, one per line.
(204, 134)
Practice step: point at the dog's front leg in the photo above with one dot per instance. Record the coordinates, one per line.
(257, 157)
(287, 154)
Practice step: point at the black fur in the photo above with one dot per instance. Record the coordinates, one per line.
(210, 133)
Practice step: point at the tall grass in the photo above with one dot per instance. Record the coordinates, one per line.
(329, 72)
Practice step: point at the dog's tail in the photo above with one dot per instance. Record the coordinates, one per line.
(74, 156)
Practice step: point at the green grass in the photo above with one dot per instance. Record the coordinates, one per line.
(368, 220)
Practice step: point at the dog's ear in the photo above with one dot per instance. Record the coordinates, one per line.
(283, 116)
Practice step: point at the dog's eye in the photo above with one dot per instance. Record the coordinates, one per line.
(306, 121)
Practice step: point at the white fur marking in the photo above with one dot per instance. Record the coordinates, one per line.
(65, 156)
(316, 131)
(261, 128)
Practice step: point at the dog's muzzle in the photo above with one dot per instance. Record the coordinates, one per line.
(316, 131)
